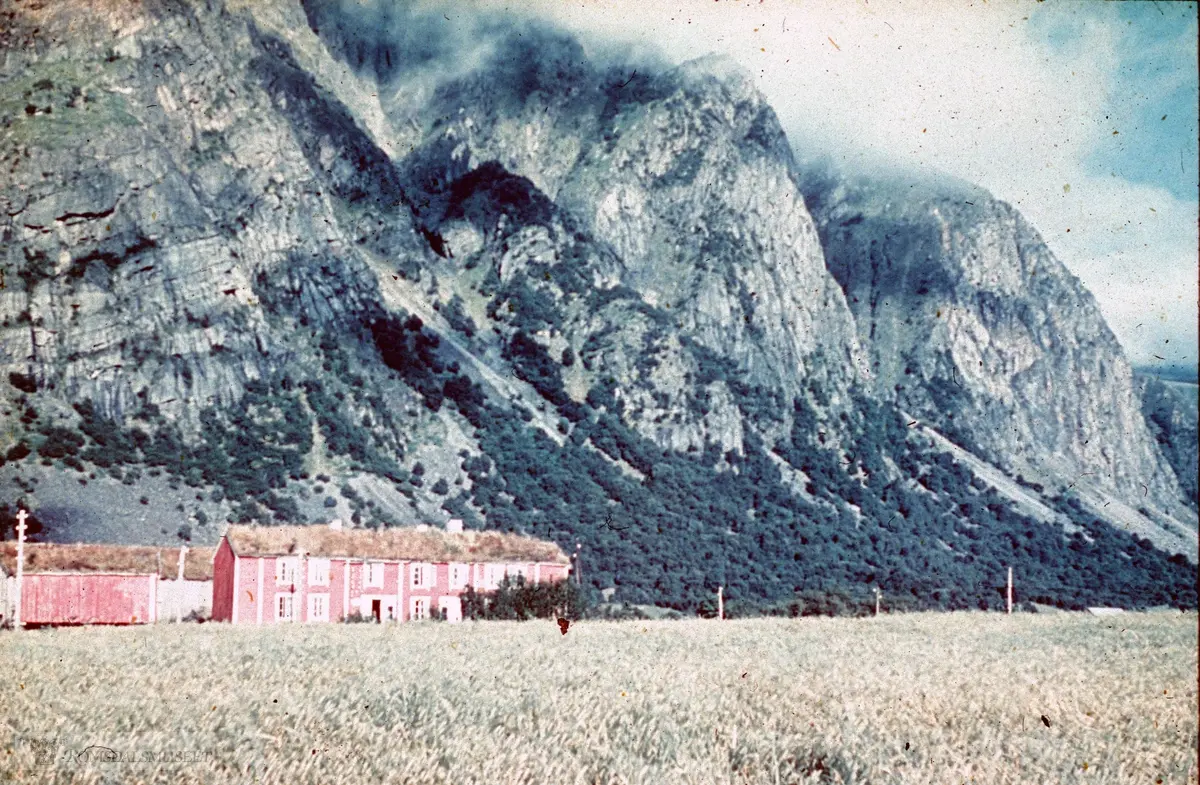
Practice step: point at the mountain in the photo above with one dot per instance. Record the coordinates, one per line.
(280, 261)
(974, 326)
(1170, 409)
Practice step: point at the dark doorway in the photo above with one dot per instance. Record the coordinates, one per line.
(376, 609)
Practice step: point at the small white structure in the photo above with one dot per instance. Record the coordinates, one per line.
(1105, 611)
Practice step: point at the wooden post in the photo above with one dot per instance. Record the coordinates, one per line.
(721, 603)
(179, 587)
(877, 593)
(21, 516)
(1010, 591)
(302, 582)
(578, 564)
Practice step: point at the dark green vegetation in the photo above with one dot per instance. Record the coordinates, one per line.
(8, 521)
(931, 535)
(516, 600)
(886, 512)
(251, 455)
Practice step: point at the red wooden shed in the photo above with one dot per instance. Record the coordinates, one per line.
(95, 584)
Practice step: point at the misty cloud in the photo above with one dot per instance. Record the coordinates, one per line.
(1018, 98)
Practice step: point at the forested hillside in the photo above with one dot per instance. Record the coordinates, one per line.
(273, 262)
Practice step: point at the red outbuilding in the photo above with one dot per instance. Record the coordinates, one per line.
(270, 574)
(100, 584)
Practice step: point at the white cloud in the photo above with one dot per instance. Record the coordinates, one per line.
(976, 91)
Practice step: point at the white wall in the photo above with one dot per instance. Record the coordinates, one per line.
(8, 585)
(174, 598)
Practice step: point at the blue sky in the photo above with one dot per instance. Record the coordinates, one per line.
(1144, 133)
(1152, 100)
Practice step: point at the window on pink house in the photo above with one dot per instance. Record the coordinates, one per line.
(318, 607)
(285, 571)
(459, 575)
(374, 574)
(318, 572)
(283, 608)
(422, 575)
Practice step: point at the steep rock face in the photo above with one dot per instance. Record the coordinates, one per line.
(1170, 411)
(160, 166)
(687, 177)
(552, 293)
(973, 325)
(695, 192)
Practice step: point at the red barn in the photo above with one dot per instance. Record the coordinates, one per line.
(96, 584)
(269, 574)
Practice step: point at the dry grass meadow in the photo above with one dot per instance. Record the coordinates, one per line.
(923, 698)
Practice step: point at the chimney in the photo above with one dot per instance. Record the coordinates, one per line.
(454, 525)
(335, 524)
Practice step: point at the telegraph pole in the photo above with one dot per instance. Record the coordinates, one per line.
(721, 603)
(877, 593)
(1010, 591)
(578, 564)
(21, 516)
(179, 586)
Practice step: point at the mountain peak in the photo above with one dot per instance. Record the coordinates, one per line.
(388, 268)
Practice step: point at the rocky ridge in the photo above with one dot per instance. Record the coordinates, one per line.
(219, 218)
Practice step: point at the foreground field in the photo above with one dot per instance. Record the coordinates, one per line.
(903, 699)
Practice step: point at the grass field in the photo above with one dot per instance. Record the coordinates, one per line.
(925, 698)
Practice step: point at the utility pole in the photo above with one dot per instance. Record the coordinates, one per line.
(578, 564)
(179, 587)
(721, 603)
(21, 516)
(1010, 591)
(877, 593)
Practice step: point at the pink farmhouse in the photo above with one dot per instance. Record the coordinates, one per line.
(274, 574)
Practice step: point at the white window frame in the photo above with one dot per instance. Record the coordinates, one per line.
(492, 575)
(318, 607)
(318, 572)
(285, 570)
(418, 609)
(282, 601)
(373, 573)
(421, 575)
(460, 576)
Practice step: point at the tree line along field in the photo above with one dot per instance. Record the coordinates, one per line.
(915, 698)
